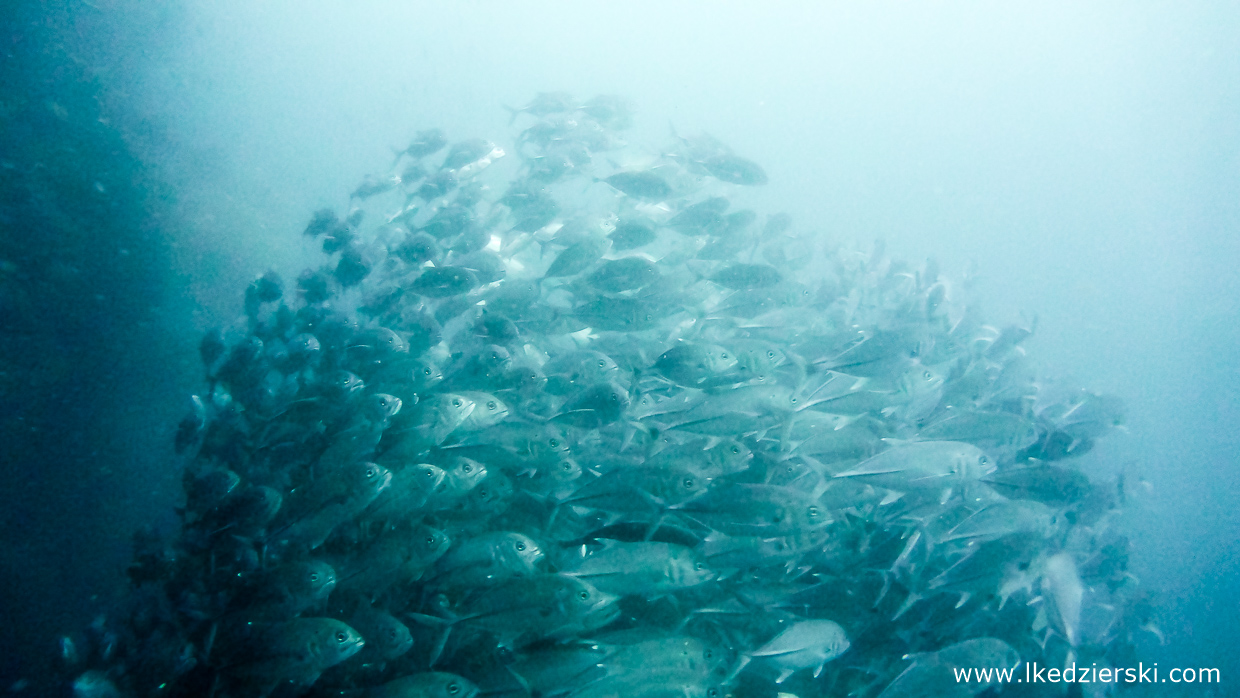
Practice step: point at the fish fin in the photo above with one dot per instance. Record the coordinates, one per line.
(551, 519)
(437, 650)
(626, 440)
(882, 594)
(1151, 627)
(520, 679)
(904, 556)
(740, 665)
(654, 528)
(909, 602)
(889, 498)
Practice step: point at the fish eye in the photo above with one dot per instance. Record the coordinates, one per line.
(699, 566)
(426, 371)
(602, 363)
(456, 402)
(467, 468)
(813, 512)
(736, 450)
(723, 355)
(770, 354)
(927, 375)
(555, 443)
(370, 472)
(520, 547)
(490, 404)
(585, 596)
(314, 577)
(794, 401)
(688, 483)
(983, 460)
(430, 540)
(453, 688)
(341, 636)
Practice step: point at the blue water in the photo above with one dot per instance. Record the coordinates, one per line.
(1085, 160)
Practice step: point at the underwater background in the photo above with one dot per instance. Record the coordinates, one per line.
(1085, 160)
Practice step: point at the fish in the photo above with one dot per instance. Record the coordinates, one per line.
(577, 257)
(426, 142)
(767, 511)
(442, 282)
(647, 568)
(546, 104)
(419, 248)
(400, 554)
(698, 365)
(516, 434)
(631, 234)
(624, 274)
(384, 635)
(1061, 582)
(807, 644)
(919, 465)
(542, 607)
(373, 186)
(926, 677)
(599, 405)
(734, 170)
(1000, 519)
(297, 651)
(613, 111)
(934, 673)
(412, 486)
(1041, 482)
(984, 429)
(465, 152)
(450, 221)
(335, 498)
(489, 559)
(292, 588)
(747, 276)
(440, 184)
(430, 424)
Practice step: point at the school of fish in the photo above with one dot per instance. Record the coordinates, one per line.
(597, 432)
